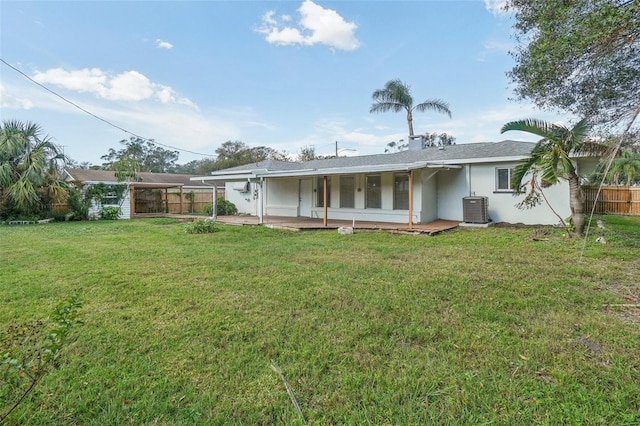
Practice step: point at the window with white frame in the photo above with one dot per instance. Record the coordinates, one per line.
(401, 191)
(347, 192)
(110, 199)
(503, 179)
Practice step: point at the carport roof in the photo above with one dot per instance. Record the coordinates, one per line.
(159, 180)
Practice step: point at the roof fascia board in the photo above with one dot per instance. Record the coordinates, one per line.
(483, 160)
(225, 177)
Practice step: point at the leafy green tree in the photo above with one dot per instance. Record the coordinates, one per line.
(396, 97)
(550, 161)
(187, 168)
(579, 56)
(442, 139)
(149, 156)
(237, 153)
(29, 170)
(394, 146)
(308, 153)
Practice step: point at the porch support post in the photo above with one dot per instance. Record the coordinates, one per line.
(214, 203)
(260, 184)
(324, 200)
(410, 199)
(181, 204)
(166, 200)
(132, 201)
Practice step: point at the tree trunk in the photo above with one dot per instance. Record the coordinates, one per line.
(576, 202)
(410, 122)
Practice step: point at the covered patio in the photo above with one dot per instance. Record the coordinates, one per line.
(304, 223)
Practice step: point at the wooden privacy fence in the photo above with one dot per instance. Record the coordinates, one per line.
(624, 200)
(192, 201)
(155, 200)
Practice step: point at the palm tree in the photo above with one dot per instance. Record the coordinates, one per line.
(29, 177)
(550, 160)
(627, 166)
(396, 97)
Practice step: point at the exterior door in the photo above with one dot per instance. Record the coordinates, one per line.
(305, 198)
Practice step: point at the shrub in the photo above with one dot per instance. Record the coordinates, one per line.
(224, 208)
(60, 216)
(110, 213)
(79, 206)
(200, 226)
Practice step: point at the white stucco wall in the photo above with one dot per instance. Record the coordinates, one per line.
(425, 187)
(246, 202)
(502, 205)
(281, 197)
(451, 188)
(480, 180)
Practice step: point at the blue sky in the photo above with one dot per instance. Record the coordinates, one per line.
(283, 74)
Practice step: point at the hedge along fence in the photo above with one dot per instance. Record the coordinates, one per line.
(623, 200)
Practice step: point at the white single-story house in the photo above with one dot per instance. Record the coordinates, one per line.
(416, 186)
(152, 193)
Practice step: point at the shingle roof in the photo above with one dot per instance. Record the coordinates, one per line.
(469, 151)
(85, 175)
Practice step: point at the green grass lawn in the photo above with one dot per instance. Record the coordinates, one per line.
(493, 326)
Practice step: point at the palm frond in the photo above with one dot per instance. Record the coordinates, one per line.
(437, 105)
(534, 126)
(24, 195)
(386, 107)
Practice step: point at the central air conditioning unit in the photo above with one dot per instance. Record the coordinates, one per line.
(475, 209)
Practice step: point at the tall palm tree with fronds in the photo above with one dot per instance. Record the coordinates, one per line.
(396, 97)
(29, 173)
(550, 160)
(625, 168)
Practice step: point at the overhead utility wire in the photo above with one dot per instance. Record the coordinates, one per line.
(98, 117)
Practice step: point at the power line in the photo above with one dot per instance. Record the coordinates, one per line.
(98, 117)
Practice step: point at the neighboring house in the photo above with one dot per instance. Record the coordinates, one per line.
(415, 186)
(153, 193)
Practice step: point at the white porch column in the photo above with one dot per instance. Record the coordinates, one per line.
(214, 204)
(410, 199)
(261, 201)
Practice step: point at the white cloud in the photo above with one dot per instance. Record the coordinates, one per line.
(497, 7)
(8, 100)
(495, 47)
(317, 25)
(129, 86)
(163, 44)
(84, 80)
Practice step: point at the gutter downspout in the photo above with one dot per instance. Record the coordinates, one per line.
(214, 202)
(469, 178)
